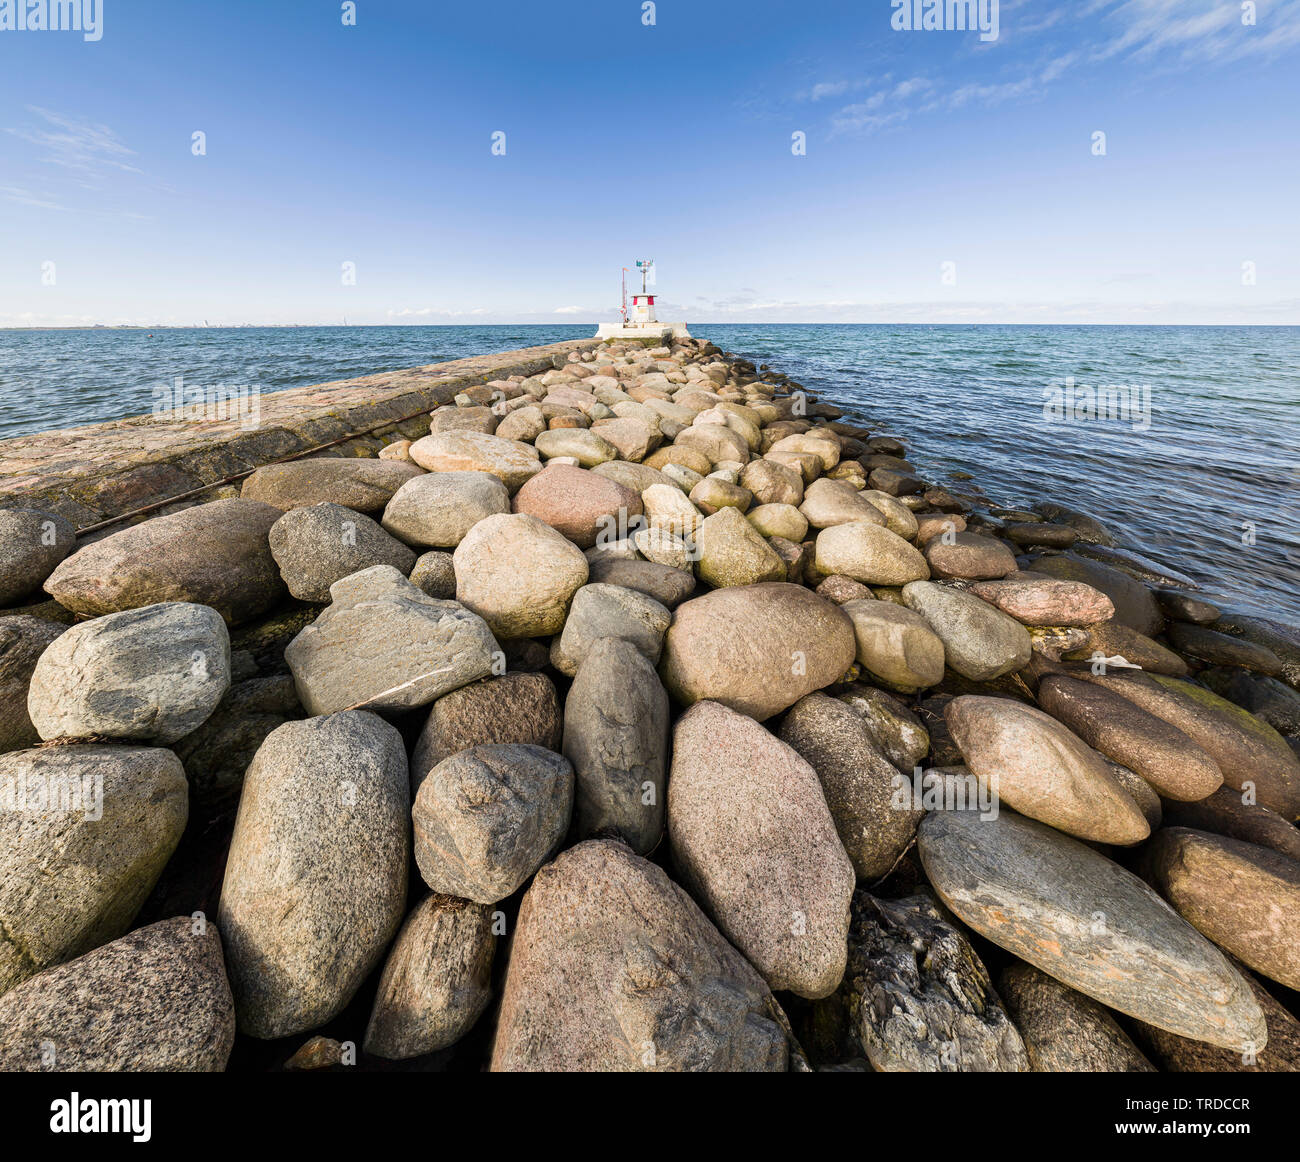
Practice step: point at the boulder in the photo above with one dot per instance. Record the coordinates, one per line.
(386, 644)
(85, 831)
(666, 508)
(437, 509)
(616, 737)
(315, 883)
(772, 483)
(1121, 730)
(588, 448)
(1046, 601)
(31, 545)
(213, 554)
(487, 818)
(319, 544)
(604, 612)
(1244, 897)
(510, 460)
(437, 979)
(22, 641)
(585, 507)
(784, 903)
(152, 674)
(869, 553)
(362, 484)
(520, 708)
(668, 586)
(896, 644)
(435, 575)
(1135, 604)
(1065, 1031)
(519, 574)
(153, 1001)
(979, 642)
(1087, 922)
(858, 780)
(732, 552)
(969, 556)
(614, 968)
(1219, 649)
(1247, 751)
(892, 726)
(755, 648)
(915, 997)
(1035, 766)
(1113, 640)
(1224, 813)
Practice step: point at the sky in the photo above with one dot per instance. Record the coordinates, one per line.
(780, 160)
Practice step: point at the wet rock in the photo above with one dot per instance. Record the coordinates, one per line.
(1179, 606)
(154, 1001)
(1087, 922)
(1268, 699)
(437, 509)
(487, 818)
(31, 545)
(785, 904)
(85, 831)
(1218, 649)
(614, 968)
(916, 998)
(1244, 897)
(979, 642)
(1038, 533)
(519, 575)
(1120, 729)
(1282, 639)
(757, 648)
(437, 979)
(1089, 528)
(858, 780)
(385, 643)
(1046, 601)
(616, 737)
(1113, 640)
(1065, 1031)
(22, 641)
(1224, 813)
(1246, 750)
(1038, 768)
(1135, 605)
(583, 506)
(213, 554)
(519, 708)
(319, 544)
(315, 883)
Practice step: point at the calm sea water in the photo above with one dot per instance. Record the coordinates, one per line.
(1202, 462)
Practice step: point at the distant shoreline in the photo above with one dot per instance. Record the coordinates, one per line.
(694, 322)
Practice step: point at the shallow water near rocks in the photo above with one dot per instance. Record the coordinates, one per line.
(1213, 470)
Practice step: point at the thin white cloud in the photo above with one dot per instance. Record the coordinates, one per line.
(75, 144)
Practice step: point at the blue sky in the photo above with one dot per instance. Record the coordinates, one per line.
(372, 144)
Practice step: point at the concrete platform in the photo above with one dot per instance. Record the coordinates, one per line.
(653, 331)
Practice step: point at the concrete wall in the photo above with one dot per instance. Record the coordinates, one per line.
(89, 474)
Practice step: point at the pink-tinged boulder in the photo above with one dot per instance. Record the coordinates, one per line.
(1046, 601)
(511, 460)
(579, 503)
(783, 902)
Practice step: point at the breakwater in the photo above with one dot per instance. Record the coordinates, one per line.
(631, 709)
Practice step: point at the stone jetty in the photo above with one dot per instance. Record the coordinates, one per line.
(620, 707)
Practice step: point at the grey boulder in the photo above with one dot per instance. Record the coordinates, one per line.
(318, 544)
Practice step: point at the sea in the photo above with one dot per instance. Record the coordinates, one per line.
(1184, 440)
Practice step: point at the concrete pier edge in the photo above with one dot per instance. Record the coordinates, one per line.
(89, 474)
